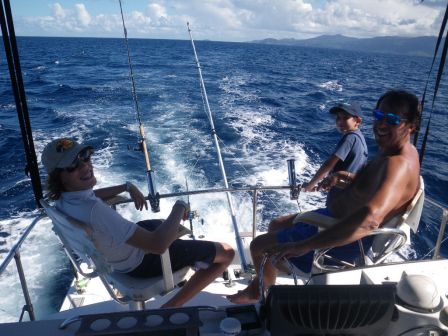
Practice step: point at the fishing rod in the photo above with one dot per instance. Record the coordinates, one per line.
(218, 150)
(153, 195)
(191, 213)
(18, 88)
(442, 60)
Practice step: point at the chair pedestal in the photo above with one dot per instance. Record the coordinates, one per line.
(136, 305)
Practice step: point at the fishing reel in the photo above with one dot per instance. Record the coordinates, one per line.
(139, 148)
(154, 202)
(294, 187)
(193, 214)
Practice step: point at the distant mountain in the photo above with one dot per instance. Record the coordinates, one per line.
(417, 46)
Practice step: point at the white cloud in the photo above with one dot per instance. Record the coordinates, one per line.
(156, 11)
(58, 11)
(82, 15)
(241, 20)
(373, 18)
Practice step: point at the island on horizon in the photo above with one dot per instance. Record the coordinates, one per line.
(412, 46)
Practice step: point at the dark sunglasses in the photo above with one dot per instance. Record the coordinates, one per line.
(391, 118)
(83, 156)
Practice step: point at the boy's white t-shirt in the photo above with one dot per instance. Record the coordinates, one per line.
(110, 230)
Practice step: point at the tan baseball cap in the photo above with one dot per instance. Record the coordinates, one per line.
(61, 153)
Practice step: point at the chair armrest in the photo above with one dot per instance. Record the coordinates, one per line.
(391, 246)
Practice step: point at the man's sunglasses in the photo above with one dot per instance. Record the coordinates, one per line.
(391, 118)
(83, 156)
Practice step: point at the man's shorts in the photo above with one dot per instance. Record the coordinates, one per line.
(301, 231)
(194, 253)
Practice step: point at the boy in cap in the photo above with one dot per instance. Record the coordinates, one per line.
(130, 248)
(350, 154)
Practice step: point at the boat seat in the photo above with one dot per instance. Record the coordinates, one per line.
(80, 248)
(388, 239)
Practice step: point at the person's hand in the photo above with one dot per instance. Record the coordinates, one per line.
(287, 250)
(308, 187)
(328, 182)
(186, 207)
(340, 179)
(136, 196)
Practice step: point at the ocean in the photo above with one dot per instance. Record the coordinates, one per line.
(270, 103)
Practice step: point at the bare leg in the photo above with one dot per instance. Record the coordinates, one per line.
(252, 292)
(201, 278)
(282, 222)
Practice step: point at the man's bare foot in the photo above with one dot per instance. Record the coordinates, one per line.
(245, 296)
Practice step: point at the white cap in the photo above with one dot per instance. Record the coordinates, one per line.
(60, 153)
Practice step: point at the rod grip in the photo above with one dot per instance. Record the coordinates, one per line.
(294, 191)
(153, 195)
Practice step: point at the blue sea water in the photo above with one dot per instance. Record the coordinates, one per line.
(270, 103)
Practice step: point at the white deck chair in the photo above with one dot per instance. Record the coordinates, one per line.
(388, 239)
(391, 237)
(76, 239)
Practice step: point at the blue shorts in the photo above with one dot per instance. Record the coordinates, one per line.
(194, 253)
(301, 231)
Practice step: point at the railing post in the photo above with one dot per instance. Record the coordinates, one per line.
(254, 213)
(28, 306)
(441, 234)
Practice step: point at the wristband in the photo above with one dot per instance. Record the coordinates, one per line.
(128, 186)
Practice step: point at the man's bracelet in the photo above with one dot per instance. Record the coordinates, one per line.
(128, 186)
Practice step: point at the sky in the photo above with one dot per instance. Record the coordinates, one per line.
(228, 20)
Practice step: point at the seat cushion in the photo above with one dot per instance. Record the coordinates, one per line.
(142, 289)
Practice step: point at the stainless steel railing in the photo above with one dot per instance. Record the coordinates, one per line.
(253, 189)
(14, 253)
(440, 239)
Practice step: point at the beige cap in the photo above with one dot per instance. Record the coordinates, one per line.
(61, 153)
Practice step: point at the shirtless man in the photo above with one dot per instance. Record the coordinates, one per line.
(382, 190)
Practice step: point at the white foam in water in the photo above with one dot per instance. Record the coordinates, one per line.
(42, 258)
(40, 68)
(332, 85)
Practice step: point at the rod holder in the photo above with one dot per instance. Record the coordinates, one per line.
(294, 188)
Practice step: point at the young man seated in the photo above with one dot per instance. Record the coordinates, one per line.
(130, 248)
(380, 191)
